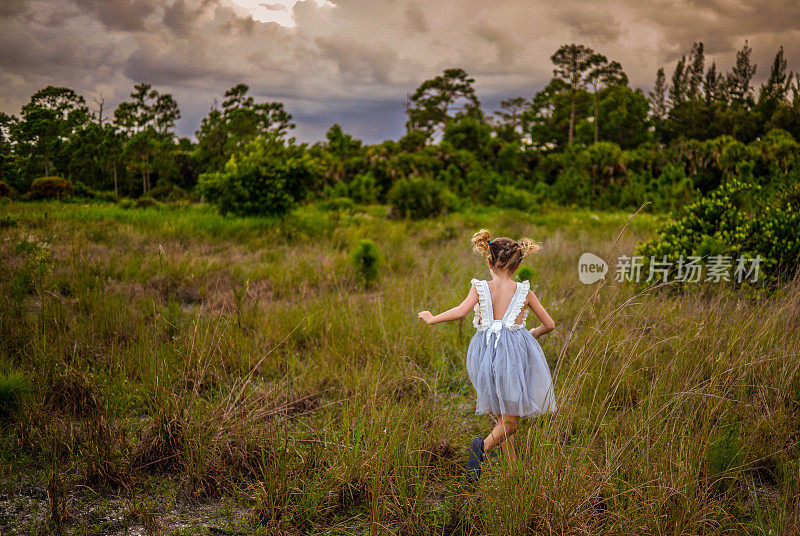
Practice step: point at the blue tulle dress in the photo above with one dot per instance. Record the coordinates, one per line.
(505, 363)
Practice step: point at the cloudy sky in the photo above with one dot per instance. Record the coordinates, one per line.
(353, 62)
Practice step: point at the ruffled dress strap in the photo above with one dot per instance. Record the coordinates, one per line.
(517, 304)
(483, 309)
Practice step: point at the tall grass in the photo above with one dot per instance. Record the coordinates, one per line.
(243, 361)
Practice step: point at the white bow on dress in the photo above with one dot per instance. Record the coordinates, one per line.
(495, 328)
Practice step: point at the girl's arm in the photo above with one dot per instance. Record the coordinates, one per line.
(547, 323)
(460, 311)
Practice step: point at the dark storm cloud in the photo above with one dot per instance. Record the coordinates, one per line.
(367, 62)
(54, 51)
(588, 22)
(354, 63)
(414, 18)
(167, 67)
(126, 15)
(179, 18)
(11, 7)
(506, 46)
(723, 26)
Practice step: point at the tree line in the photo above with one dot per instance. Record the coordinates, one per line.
(586, 138)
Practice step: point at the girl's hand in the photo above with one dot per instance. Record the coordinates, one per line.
(533, 332)
(426, 316)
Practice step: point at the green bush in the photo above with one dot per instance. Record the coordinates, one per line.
(126, 203)
(266, 178)
(166, 191)
(364, 188)
(6, 190)
(525, 273)
(338, 204)
(146, 202)
(366, 259)
(338, 189)
(82, 191)
(511, 197)
(541, 192)
(572, 187)
(603, 163)
(418, 197)
(734, 220)
(673, 189)
(50, 188)
(14, 387)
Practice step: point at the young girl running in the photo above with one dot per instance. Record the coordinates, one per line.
(505, 363)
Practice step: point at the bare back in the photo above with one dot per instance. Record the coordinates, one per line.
(502, 292)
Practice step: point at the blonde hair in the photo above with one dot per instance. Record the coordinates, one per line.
(503, 253)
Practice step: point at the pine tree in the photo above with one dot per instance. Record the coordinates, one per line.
(714, 86)
(573, 65)
(658, 97)
(678, 90)
(738, 80)
(796, 90)
(775, 91)
(439, 99)
(604, 74)
(694, 71)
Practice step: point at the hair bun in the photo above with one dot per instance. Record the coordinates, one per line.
(528, 246)
(481, 242)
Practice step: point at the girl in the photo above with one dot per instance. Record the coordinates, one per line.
(505, 363)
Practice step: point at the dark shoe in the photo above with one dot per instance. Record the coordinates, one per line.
(476, 456)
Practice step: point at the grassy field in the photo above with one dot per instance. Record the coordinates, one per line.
(172, 371)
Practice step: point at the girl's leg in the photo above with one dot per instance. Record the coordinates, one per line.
(505, 428)
(508, 449)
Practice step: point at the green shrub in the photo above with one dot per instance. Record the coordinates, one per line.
(82, 191)
(418, 197)
(266, 178)
(572, 187)
(146, 202)
(338, 189)
(366, 259)
(166, 191)
(511, 197)
(338, 204)
(483, 185)
(733, 220)
(14, 387)
(673, 189)
(50, 188)
(6, 190)
(541, 191)
(126, 203)
(364, 188)
(525, 273)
